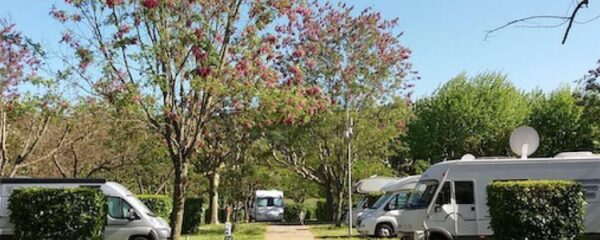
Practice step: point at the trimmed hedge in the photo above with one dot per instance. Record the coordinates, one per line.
(321, 212)
(45, 213)
(192, 215)
(161, 205)
(536, 209)
(292, 212)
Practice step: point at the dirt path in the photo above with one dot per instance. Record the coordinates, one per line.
(288, 232)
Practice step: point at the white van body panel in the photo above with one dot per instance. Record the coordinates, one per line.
(268, 212)
(372, 217)
(147, 225)
(366, 187)
(473, 219)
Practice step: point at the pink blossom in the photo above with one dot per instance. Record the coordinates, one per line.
(204, 71)
(113, 3)
(150, 4)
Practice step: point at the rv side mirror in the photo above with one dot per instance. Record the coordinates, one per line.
(132, 215)
(437, 208)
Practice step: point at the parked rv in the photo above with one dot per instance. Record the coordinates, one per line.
(127, 219)
(381, 219)
(450, 199)
(370, 191)
(268, 206)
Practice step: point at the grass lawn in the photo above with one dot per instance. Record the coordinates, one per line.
(326, 231)
(245, 231)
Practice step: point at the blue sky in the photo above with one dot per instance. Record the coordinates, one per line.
(447, 38)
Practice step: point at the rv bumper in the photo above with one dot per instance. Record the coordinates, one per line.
(416, 235)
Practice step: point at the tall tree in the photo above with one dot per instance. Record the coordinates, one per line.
(467, 115)
(357, 64)
(559, 119)
(24, 116)
(183, 62)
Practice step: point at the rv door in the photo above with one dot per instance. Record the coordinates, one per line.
(465, 208)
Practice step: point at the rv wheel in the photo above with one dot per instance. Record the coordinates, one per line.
(384, 230)
(139, 238)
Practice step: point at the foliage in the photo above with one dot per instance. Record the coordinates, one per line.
(467, 115)
(184, 63)
(193, 213)
(43, 213)
(322, 212)
(536, 209)
(559, 119)
(161, 205)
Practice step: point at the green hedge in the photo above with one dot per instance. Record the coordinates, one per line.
(292, 212)
(45, 213)
(536, 209)
(192, 216)
(161, 205)
(321, 212)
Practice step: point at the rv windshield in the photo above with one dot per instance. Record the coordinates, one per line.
(269, 202)
(382, 200)
(422, 195)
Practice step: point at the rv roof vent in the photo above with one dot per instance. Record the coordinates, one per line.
(467, 157)
(574, 155)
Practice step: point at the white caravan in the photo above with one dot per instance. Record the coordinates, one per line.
(381, 219)
(450, 200)
(370, 189)
(268, 206)
(127, 219)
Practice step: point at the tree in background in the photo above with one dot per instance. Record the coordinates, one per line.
(25, 117)
(559, 119)
(183, 63)
(359, 65)
(467, 115)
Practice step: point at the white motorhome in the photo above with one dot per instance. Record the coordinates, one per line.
(268, 206)
(450, 200)
(370, 191)
(127, 219)
(381, 219)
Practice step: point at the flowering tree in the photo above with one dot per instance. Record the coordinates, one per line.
(357, 64)
(24, 118)
(184, 63)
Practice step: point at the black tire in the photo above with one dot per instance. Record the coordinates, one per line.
(384, 230)
(437, 236)
(139, 238)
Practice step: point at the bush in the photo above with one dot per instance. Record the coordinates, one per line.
(292, 212)
(192, 215)
(161, 205)
(536, 209)
(45, 213)
(321, 212)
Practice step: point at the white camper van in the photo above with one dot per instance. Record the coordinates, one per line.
(450, 200)
(370, 189)
(268, 206)
(128, 218)
(381, 219)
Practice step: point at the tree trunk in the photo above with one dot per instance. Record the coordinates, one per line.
(329, 203)
(214, 181)
(339, 207)
(181, 171)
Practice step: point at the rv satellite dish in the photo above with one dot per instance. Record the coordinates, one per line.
(524, 141)
(467, 157)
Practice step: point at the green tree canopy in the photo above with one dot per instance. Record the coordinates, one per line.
(467, 115)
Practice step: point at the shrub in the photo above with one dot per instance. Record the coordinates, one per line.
(45, 213)
(292, 212)
(536, 209)
(192, 215)
(321, 212)
(161, 205)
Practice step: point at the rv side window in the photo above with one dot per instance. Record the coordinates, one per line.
(444, 195)
(117, 207)
(464, 192)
